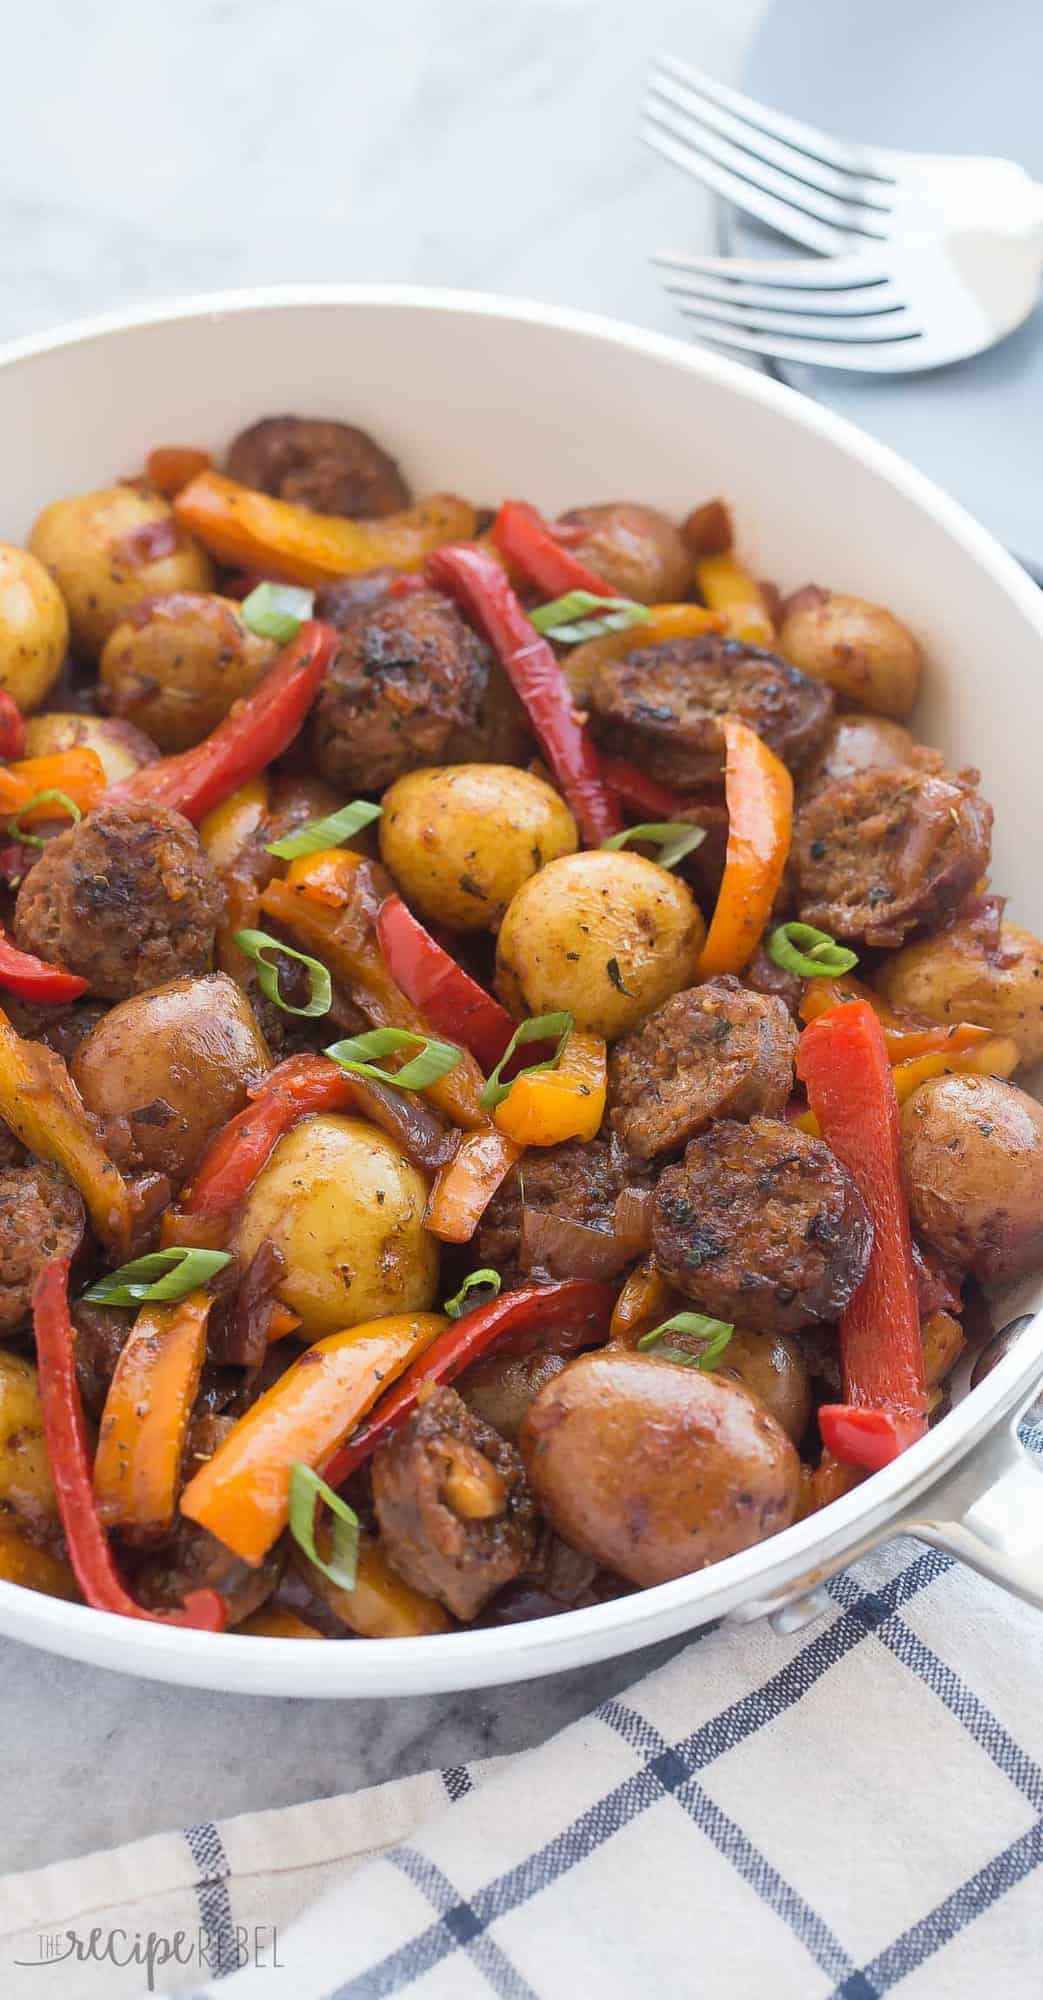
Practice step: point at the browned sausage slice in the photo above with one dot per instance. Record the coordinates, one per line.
(581, 1182)
(887, 852)
(41, 1216)
(715, 1051)
(334, 468)
(408, 673)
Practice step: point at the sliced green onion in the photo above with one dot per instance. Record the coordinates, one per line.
(715, 1332)
(320, 985)
(539, 1028)
(432, 1060)
(163, 1275)
(277, 610)
(68, 806)
(673, 837)
(485, 1285)
(811, 954)
(332, 831)
(565, 621)
(305, 1489)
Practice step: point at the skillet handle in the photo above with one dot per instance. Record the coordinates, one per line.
(989, 1513)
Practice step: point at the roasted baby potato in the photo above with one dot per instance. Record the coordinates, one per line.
(773, 1368)
(605, 934)
(109, 549)
(165, 1070)
(460, 839)
(972, 1159)
(635, 549)
(345, 1207)
(120, 747)
(25, 1472)
(34, 628)
(858, 648)
(175, 664)
(956, 976)
(863, 743)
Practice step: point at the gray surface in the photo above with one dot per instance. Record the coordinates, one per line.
(148, 150)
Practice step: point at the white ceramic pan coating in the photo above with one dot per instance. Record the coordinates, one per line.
(488, 397)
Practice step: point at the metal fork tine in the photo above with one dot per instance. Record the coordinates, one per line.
(808, 139)
(882, 357)
(841, 183)
(778, 215)
(667, 105)
(862, 301)
(755, 319)
(813, 274)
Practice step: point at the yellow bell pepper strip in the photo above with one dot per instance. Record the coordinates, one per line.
(644, 1302)
(78, 773)
(274, 1621)
(730, 589)
(226, 828)
(906, 1035)
(381, 1605)
(242, 1493)
(345, 941)
(759, 792)
(464, 1189)
(43, 1108)
(996, 1056)
(546, 1106)
(664, 621)
(943, 1343)
(34, 1568)
(137, 1465)
(249, 530)
(327, 876)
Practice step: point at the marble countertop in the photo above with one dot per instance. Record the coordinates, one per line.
(153, 150)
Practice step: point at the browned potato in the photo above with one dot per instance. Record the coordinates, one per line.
(605, 934)
(773, 1368)
(863, 743)
(107, 550)
(25, 1472)
(956, 975)
(635, 549)
(175, 664)
(165, 1070)
(972, 1157)
(34, 628)
(121, 748)
(858, 648)
(461, 838)
(656, 1469)
(500, 1388)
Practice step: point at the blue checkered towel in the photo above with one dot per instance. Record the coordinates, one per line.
(850, 1810)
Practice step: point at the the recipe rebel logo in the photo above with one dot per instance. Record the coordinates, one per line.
(235, 1947)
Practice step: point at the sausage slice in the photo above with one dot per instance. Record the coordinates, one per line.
(715, 1051)
(408, 673)
(886, 852)
(316, 463)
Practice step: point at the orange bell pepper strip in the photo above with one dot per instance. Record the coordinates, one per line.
(242, 1493)
(21, 1561)
(78, 773)
(759, 791)
(327, 877)
(274, 1621)
(644, 1302)
(996, 1056)
(43, 1108)
(249, 530)
(226, 828)
(170, 467)
(381, 1605)
(137, 1465)
(545, 1107)
(664, 621)
(345, 941)
(905, 1035)
(730, 589)
(464, 1189)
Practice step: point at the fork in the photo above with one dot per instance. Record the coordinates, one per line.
(923, 258)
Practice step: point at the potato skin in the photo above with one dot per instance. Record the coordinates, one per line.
(34, 628)
(972, 1160)
(165, 1070)
(25, 1471)
(460, 839)
(175, 664)
(863, 743)
(635, 549)
(656, 1469)
(121, 748)
(107, 550)
(772, 1368)
(587, 927)
(345, 1207)
(858, 648)
(955, 976)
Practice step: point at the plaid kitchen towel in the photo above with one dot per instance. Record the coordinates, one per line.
(848, 1811)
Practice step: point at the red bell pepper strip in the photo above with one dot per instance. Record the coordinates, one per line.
(842, 1060)
(478, 583)
(67, 1450)
(640, 793)
(253, 732)
(237, 1153)
(34, 979)
(12, 728)
(532, 545)
(446, 995)
(516, 1316)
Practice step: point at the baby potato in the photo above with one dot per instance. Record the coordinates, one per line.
(107, 550)
(773, 1368)
(175, 664)
(25, 1472)
(461, 839)
(954, 976)
(34, 628)
(972, 1160)
(345, 1207)
(606, 935)
(635, 549)
(858, 648)
(121, 748)
(166, 1069)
